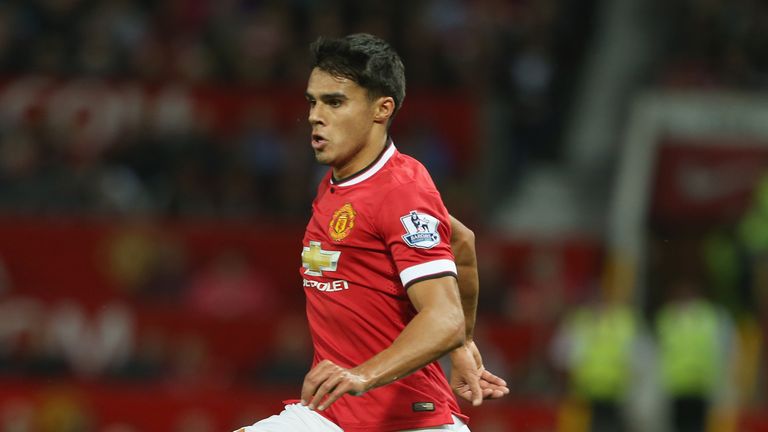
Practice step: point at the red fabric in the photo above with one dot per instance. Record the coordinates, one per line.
(350, 325)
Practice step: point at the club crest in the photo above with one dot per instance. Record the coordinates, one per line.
(342, 222)
(421, 230)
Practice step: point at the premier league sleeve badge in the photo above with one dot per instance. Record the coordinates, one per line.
(421, 230)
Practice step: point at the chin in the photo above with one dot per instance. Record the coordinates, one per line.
(322, 158)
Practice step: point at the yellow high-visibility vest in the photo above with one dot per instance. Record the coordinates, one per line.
(753, 227)
(604, 339)
(688, 340)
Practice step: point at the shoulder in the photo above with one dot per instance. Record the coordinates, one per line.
(406, 192)
(407, 172)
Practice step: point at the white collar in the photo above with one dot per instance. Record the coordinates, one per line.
(370, 170)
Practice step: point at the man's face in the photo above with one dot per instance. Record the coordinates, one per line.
(341, 115)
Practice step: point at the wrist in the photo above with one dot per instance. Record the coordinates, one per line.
(458, 351)
(365, 376)
(468, 343)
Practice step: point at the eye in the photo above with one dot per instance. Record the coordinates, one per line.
(334, 103)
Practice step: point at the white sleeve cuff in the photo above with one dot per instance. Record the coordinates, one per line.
(420, 271)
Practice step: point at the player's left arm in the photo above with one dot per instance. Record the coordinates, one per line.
(437, 328)
(469, 378)
(465, 256)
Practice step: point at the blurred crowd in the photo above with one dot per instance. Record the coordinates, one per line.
(485, 45)
(520, 54)
(181, 328)
(554, 322)
(713, 44)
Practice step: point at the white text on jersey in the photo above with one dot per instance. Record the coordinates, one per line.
(337, 285)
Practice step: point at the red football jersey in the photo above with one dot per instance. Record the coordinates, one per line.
(370, 237)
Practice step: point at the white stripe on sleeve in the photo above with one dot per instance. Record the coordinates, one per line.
(427, 269)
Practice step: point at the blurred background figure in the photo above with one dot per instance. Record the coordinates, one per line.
(752, 232)
(598, 347)
(155, 172)
(695, 340)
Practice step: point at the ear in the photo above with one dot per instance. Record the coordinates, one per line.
(384, 109)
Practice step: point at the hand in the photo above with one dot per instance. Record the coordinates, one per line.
(329, 379)
(470, 380)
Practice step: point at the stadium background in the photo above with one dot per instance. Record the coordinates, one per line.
(155, 177)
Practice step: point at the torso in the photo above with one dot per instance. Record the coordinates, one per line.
(361, 249)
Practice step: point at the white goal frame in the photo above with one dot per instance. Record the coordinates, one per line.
(653, 116)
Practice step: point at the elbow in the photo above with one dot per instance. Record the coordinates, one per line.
(448, 329)
(456, 331)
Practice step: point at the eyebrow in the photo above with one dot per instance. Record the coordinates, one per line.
(327, 96)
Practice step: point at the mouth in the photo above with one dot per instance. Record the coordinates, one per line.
(318, 141)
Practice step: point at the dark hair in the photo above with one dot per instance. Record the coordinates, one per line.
(365, 59)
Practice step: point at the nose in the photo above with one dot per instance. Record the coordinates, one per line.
(315, 116)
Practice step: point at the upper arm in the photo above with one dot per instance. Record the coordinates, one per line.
(437, 292)
(439, 295)
(416, 229)
(460, 233)
(462, 242)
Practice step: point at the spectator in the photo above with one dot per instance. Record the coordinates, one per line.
(248, 45)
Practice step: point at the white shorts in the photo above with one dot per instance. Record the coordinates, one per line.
(299, 418)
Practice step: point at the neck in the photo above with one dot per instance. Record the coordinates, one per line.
(363, 158)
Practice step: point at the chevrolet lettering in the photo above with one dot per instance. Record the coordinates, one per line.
(333, 286)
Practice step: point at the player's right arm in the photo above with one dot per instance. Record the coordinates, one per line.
(437, 328)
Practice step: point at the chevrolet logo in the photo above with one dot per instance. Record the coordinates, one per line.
(315, 260)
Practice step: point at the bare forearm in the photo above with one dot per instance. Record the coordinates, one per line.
(463, 245)
(433, 332)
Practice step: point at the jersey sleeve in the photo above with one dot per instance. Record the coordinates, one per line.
(416, 228)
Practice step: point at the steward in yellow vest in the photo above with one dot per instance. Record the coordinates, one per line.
(597, 343)
(690, 351)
